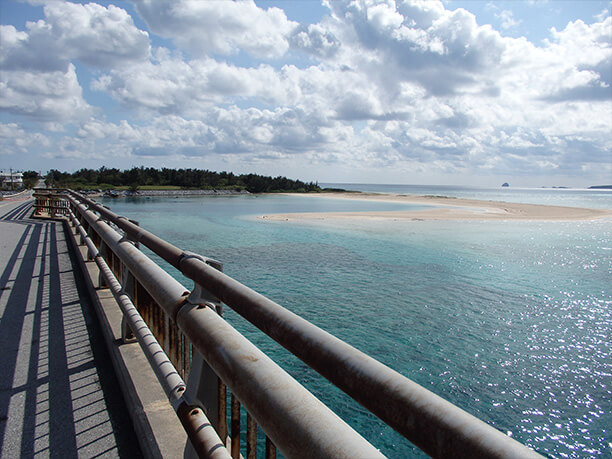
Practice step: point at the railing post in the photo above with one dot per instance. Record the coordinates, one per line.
(103, 252)
(204, 388)
(136, 243)
(127, 288)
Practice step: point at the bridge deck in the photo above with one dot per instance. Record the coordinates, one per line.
(58, 393)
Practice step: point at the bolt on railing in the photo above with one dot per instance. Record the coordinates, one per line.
(436, 426)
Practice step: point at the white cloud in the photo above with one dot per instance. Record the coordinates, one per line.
(407, 85)
(217, 27)
(39, 79)
(575, 64)
(437, 91)
(225, 131)
(34, 2)
(315, 39)
(98, 36)
(94, 129)
(507, 19)
(443, 51)
(49, 96)
(14, 139)
(603, 15)
(167, 84)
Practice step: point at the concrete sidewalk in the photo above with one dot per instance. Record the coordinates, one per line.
(58, 393)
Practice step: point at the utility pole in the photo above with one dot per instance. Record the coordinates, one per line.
(11, 179)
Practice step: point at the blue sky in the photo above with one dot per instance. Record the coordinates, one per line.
(377, 91)
(531, 19)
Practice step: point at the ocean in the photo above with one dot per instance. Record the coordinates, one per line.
(509, 320)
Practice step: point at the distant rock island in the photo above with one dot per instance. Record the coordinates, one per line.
(505, 184)
(600, 187)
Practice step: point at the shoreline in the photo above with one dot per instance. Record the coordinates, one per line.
(443, 208)
(167, 193)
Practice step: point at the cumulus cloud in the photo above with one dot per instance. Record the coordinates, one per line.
(230, 131)
(204, 27)
(507, 19)
(14, 139)
(98, 36)
(386, 83)
(48, 96)
(585, 56)
(435, 89)
(444, 51)
(94, 129)
(315, 39)
(168, 84)
(39, 79)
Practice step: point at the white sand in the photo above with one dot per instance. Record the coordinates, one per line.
(445, 208)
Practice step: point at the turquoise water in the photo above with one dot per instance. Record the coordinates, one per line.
(511, 321)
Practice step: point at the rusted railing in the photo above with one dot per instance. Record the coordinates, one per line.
(50, 202)
(199, 344)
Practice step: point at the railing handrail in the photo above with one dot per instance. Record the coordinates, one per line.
(291, 416)
(198, 427)
(14, 195)
(432, 423)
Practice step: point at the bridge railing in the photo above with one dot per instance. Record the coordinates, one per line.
(216, 358)
(50, 202)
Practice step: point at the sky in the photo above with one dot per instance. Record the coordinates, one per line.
(453, 92)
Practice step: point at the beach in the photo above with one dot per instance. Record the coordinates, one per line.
(443, 208)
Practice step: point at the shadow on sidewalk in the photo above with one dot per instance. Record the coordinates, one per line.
(58, 393)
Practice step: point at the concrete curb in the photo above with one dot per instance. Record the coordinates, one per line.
(160, 433)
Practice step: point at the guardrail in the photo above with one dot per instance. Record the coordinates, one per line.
(49, 201)
(12, 196)
(198, 343)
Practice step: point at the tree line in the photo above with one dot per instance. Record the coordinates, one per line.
(108, 178)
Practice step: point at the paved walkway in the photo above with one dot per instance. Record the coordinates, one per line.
(58, 393)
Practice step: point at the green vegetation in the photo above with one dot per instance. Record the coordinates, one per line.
(141, 178)
(30, 179)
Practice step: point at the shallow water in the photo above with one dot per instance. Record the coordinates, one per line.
(571, 197)
(511, 321)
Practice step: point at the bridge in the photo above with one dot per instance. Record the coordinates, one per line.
(183, 381)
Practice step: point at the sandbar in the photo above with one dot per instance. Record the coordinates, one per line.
(443, 208)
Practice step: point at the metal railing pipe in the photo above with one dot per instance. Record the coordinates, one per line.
(202, 435)
(297, 422)
(167, 291)
(171, 381)
(291, 416)
(91, 247)
(435, 425)
(164, 249)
